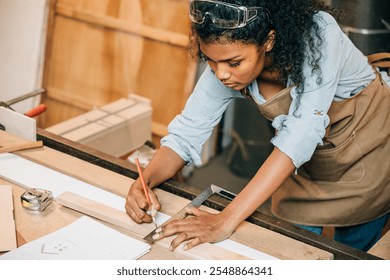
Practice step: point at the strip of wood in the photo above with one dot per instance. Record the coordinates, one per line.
(67, 98)
(7, 222)
(113, 216)
(156, 34)
(382, 247)
(20, 147)
(103, 212)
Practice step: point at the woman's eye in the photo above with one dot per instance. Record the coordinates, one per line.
(234, 64)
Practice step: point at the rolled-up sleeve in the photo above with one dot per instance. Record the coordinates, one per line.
(302, 130)
(189, 130)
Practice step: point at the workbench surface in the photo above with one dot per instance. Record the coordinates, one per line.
(31, 225)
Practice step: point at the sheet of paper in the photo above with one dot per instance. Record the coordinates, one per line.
(30, 174)
(7, 222)
(84, 239)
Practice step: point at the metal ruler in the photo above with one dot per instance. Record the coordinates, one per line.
(202, 197)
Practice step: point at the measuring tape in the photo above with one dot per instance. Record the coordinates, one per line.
(36, 199)
(202, 197)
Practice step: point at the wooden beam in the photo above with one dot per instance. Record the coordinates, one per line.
(7, 229)
(156, 34)
(20, 147)
(68, 98)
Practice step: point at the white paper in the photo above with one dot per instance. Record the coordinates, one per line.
(33, 175)
(84, 239)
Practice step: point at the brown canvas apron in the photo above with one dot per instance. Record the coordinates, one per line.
(347, 181)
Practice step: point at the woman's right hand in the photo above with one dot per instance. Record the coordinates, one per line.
(137, 204)
(163, 166)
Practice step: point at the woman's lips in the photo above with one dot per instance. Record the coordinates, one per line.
(230, 85)
(234, 86)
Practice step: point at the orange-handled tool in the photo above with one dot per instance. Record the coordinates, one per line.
(36, 111)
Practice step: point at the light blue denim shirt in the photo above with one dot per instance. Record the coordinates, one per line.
(344, 71)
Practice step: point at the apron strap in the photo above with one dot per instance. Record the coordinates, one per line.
(381, 60)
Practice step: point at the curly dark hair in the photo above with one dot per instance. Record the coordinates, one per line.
(295, 30)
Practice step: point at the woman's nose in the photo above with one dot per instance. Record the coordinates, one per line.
(222, 73)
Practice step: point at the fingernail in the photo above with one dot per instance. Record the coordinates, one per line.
(185, 247)
(156, 236)
(170, 248)
(158, 230)
(153, 212)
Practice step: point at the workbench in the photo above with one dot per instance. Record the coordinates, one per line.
(260, 231)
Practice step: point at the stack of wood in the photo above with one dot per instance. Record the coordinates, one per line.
(117, 128)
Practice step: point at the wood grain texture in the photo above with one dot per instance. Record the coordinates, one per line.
(382, 247)
(20, 147)
(99, 51)
(7, 222)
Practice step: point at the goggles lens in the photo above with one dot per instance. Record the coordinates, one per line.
(221, 14)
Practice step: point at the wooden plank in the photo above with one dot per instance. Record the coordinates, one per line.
(382, 247)
(157, 34)
(7, 228)
(275, 244)
(136, 47)
(20, 147)
(103, 212)
(68, 98)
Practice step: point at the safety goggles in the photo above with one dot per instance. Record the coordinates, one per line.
(222, 14)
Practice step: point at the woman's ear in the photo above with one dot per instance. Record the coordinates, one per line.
(269, 44)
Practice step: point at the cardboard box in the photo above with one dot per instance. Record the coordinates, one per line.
(117, 128)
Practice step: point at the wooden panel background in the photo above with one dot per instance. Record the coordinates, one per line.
(99, 51)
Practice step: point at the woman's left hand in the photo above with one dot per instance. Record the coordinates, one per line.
(200, 227)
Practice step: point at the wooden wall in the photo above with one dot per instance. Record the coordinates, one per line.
(99, 51)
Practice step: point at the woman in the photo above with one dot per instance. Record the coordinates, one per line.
(330, 109)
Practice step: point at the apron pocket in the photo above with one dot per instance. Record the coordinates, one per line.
(338, 164)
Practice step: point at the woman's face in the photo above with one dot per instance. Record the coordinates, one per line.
(236, 65)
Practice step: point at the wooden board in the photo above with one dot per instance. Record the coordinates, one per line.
(56, 216)
(99, 51)
(382, 247)
(7, 228)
